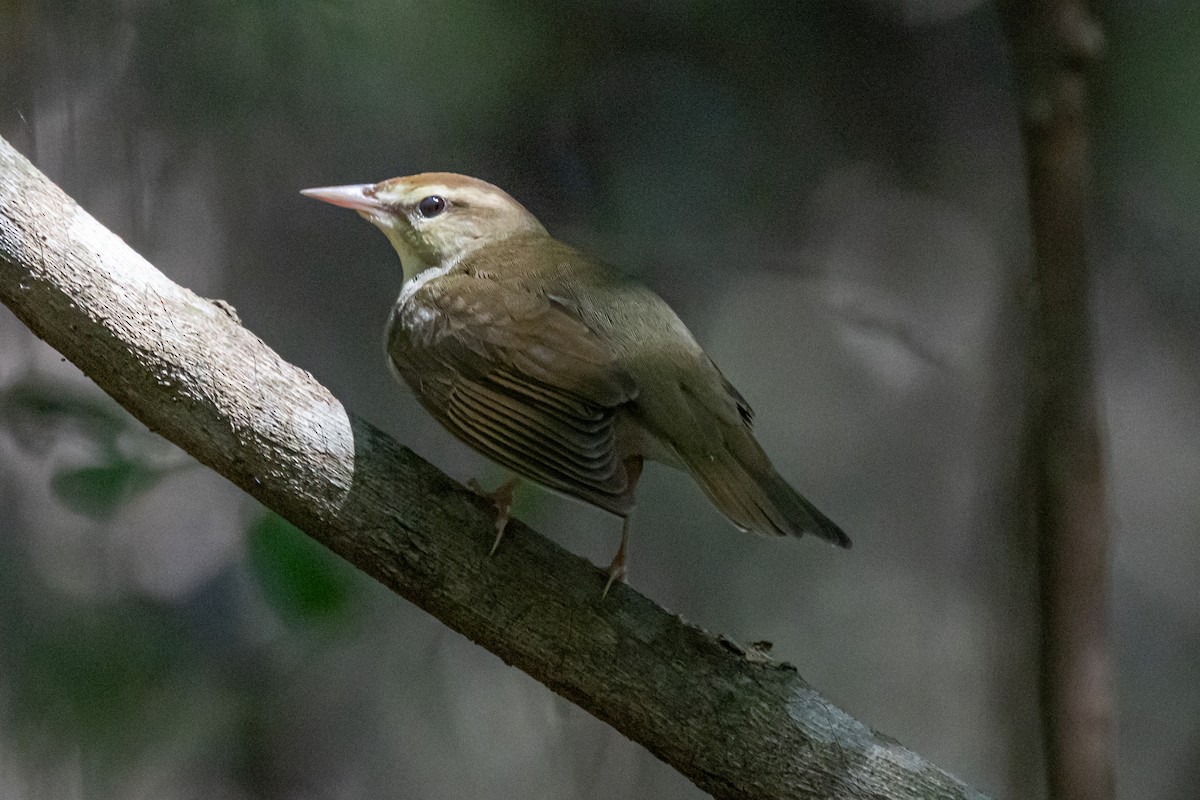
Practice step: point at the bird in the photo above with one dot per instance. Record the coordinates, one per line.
(557, 365)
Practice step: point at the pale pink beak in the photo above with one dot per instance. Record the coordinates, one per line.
(359, 196)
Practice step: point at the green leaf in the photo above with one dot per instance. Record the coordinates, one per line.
(303, 582)
(99, 492)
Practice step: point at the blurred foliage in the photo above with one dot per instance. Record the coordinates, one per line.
(301, 580)
(1152, 66)
(1149, 139)
(105, 674)
(109, 684)
(98, 492)
(304, 582)
(38, 413)
(126, 681)
(246, 59)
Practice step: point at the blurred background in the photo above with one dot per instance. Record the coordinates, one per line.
(830, 193)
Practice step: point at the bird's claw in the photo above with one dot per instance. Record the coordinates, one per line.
(616, 570)
(502, 498)
(616, 573)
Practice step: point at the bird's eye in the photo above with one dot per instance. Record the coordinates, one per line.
(431, 206)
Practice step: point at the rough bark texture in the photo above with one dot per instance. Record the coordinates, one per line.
(1054, 44)
(734, 721)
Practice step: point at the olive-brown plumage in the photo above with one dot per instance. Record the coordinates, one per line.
(555, 365)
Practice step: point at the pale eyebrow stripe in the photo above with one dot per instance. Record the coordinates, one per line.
(469, 194)
(476, 196)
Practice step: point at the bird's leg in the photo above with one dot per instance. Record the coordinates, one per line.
(502, 499)
(616, 570)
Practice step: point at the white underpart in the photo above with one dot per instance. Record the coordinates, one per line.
(424, 315)
(414, 284)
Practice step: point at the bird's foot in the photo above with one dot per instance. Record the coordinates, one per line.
(502, 498)
(616, 570)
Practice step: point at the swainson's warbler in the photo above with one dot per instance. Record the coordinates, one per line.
(558, 367)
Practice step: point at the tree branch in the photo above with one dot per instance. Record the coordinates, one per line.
(1055, 43)
(735, 722)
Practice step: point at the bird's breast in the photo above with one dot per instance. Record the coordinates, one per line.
(416, 321)
(415, 328)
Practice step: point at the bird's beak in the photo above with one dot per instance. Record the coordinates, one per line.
(359, 197)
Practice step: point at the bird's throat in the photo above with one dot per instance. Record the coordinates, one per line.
(415, 282)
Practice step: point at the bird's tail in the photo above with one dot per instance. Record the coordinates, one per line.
(742, 483)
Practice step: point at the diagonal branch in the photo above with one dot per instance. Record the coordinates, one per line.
(735, 722)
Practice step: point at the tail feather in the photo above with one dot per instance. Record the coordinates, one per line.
(742, 483)
(800, 511)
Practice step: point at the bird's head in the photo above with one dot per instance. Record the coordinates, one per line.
(434, 218)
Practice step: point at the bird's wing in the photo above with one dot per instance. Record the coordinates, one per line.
(521, 378)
